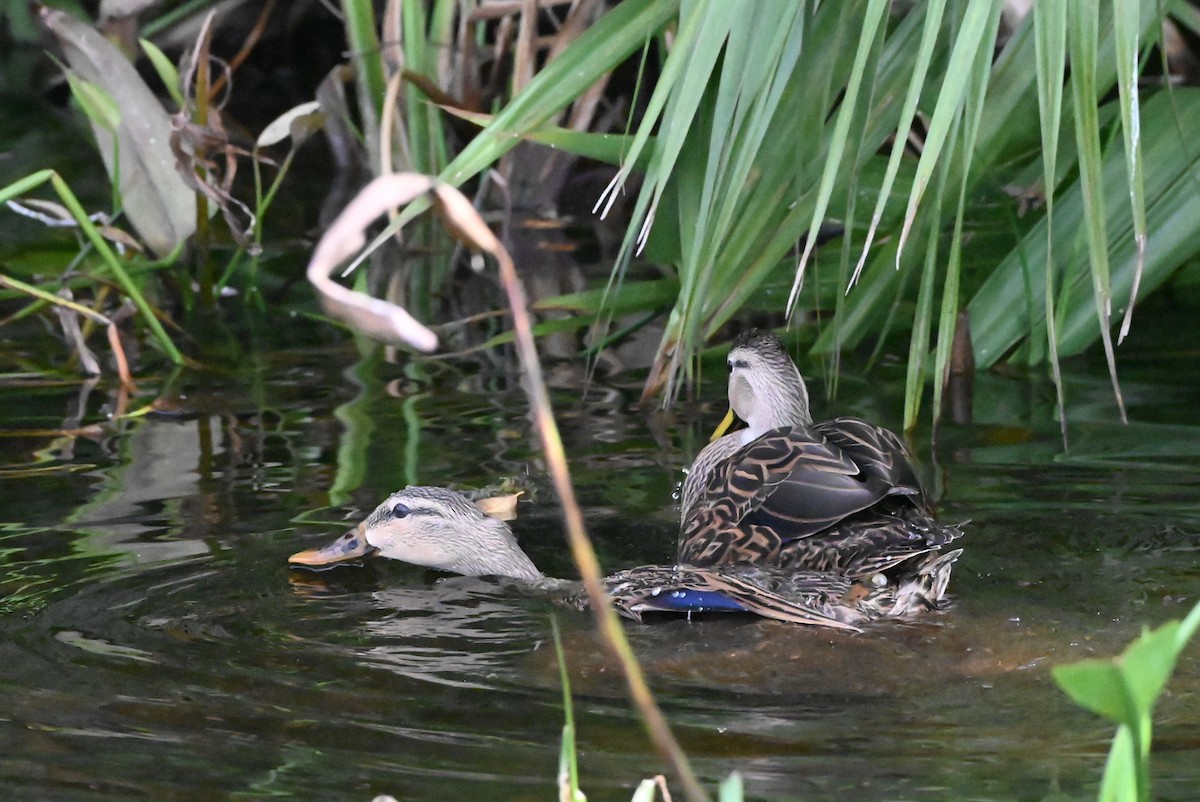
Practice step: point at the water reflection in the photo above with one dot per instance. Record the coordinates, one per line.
(155, 643)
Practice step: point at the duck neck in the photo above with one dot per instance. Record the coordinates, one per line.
(503, 556)
(783, 401)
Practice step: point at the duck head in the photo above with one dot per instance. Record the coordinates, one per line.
(765, 387)
(432, 527)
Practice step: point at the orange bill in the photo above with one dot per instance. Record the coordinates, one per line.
(350, 546)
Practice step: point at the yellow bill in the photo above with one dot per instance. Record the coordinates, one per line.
(723, 427)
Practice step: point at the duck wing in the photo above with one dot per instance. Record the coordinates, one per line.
(801, 480)
(767, 502)
(878, 452)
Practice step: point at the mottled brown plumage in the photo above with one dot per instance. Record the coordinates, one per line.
(840, 496)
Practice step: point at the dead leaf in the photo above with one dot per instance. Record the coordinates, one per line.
(502, 507)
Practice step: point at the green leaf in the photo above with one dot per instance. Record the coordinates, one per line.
(1099, 686)
(1082, 42)
(969, 43)
(1125, 34)
(98, 105)
(1147, 664)
(1120, 781)
(732, 789)
(1050, 28)
(617, 34)
(1173, 159)
(608, 148)
(635, 296)
(876, 12)
(167, 73)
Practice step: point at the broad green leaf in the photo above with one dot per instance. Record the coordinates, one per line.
(1098, 685)
(1147, 664)
(1187, 627)
(998, 322)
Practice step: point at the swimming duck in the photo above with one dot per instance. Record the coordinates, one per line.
(840, 496)
(439, 528)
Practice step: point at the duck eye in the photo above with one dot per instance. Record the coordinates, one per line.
(400, 511)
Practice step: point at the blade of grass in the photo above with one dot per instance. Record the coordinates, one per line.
(616, 35)
(1050, 31)
(875, 14)
(1125, 33)
(93, 235)
(1082, 43)
(969, 42)
(368, 65)
(568, 764)
(918, 347)
(929, 38)
(972, 114)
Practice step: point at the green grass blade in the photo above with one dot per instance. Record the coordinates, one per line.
(934, 11)
(368, 62)
(568, 762)
(918, 347)
(876, 13)
(973, 114)
(106, 254)
(167, 73)
(606, 44)
(1050, 32)
(1125, 32)
(970, 41)
(1082, 40)
(616, 35)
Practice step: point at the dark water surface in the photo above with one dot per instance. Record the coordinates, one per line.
(156, 646)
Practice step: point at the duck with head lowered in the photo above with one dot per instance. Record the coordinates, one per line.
(840, 496)
(439, 528)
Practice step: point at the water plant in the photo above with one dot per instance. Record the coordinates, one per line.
(1125, 689)
(970, 184)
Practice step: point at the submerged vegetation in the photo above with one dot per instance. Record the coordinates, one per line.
(1125, 690)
